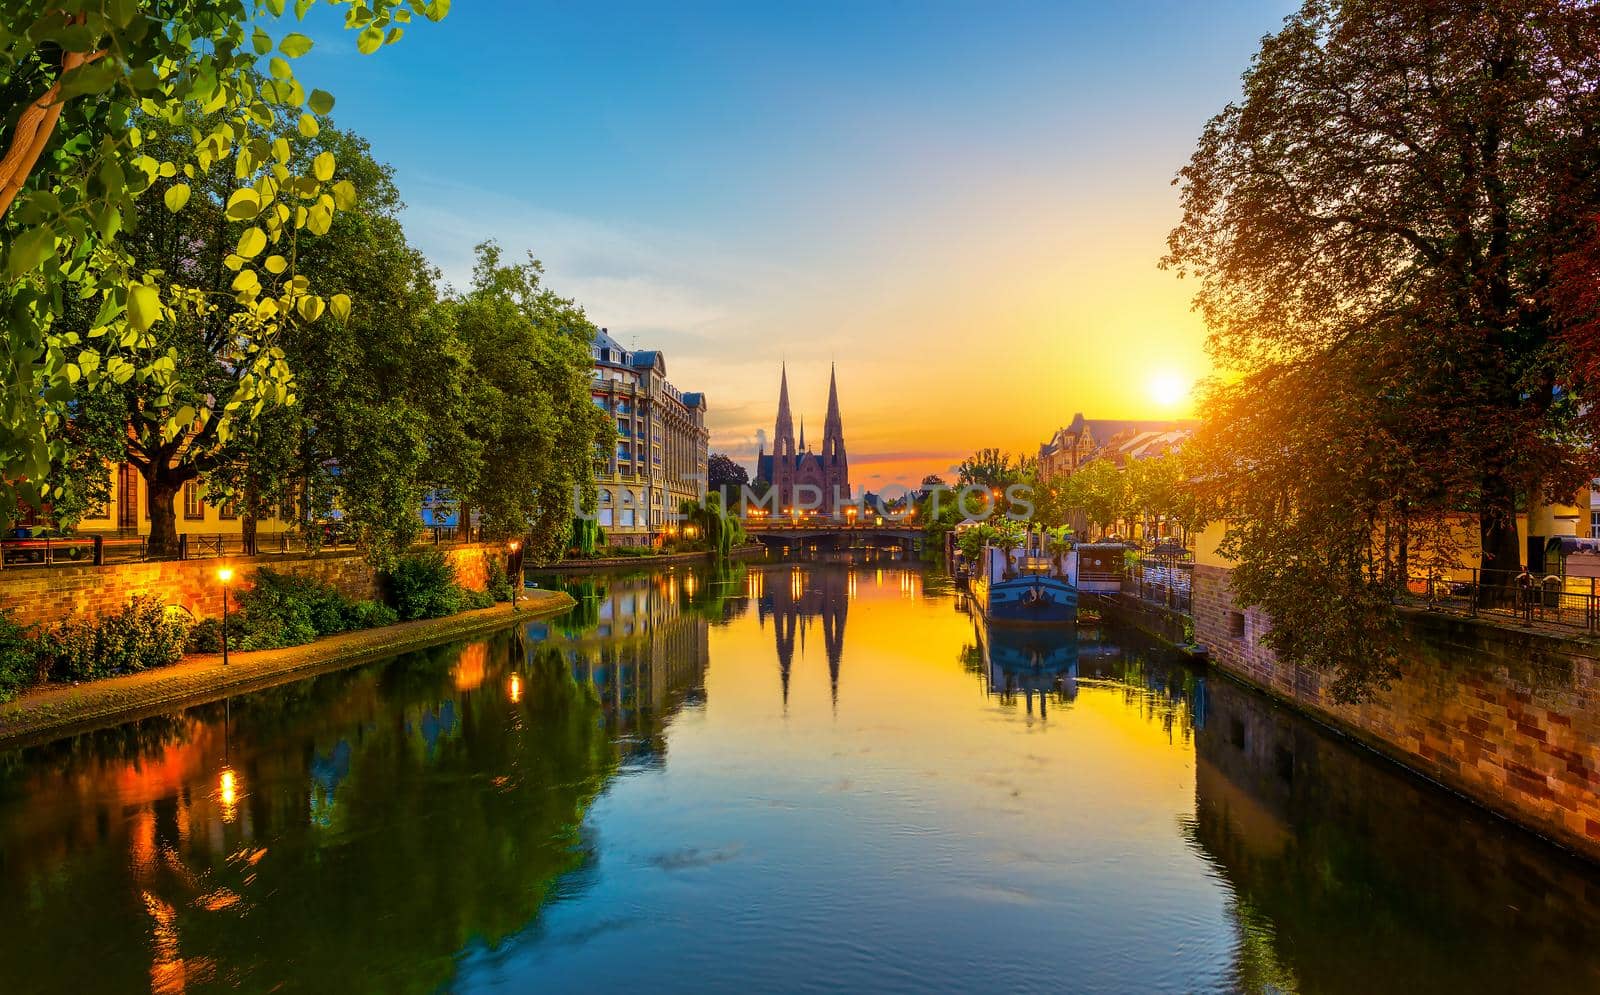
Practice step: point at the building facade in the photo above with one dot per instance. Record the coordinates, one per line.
(659, 459)
(797, 476)
(126, 512)
(1123, 439)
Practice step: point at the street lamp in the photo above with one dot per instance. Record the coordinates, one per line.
(514, 568)
(225, 574)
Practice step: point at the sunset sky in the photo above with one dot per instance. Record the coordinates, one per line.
(962, 204)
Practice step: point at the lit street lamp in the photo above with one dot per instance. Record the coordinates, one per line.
(514, 568)
(225, 574)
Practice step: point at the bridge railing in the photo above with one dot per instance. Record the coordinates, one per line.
(824, 525)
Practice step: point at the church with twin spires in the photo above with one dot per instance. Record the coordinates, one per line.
(792, 465)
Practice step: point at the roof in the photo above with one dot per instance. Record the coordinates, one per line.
(764, 464)
(1102, 431)
(603, 340)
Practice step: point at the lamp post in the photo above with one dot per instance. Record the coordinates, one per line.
(225, 574)
(514, 568)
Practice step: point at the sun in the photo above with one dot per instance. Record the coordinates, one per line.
(1168, 389)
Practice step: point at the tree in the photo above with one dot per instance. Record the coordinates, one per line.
(1100, 490)
(95, 86)
(1375, 224)
(995, 469)
(725, 476)
(380, 394)
(529, 432)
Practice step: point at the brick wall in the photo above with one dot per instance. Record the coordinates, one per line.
(1508, 717)
(45, 595)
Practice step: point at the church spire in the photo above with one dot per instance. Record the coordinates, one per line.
(783, 431)
(802, 447)
(833, 423)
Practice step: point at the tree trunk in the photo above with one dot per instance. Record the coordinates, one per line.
(1497, 534)
(247, 517)
(161, 500)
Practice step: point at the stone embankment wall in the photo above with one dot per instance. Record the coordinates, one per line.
(1508, 717)
(50, 594)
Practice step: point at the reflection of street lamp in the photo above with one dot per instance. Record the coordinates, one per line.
(514, 568)
(514, 689)
(228, 794)
(225, 574)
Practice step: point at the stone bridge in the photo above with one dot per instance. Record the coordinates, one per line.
(896, 533)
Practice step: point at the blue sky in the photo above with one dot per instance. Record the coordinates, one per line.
(955, 201)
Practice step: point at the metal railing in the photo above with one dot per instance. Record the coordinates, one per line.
(1527, 598)
(1169, 584)
(101, 549)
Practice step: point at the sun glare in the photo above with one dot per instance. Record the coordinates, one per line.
(1168, 389)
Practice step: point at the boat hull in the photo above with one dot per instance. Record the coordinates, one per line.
(1034, 600)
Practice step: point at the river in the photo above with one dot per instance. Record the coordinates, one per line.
(795, 776)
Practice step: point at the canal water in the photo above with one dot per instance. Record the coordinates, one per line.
(817, 776)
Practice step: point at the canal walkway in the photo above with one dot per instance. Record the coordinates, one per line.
(60, 709)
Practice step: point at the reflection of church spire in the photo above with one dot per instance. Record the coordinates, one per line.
(833, 641)
(783, 628)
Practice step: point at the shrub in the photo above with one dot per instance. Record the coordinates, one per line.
(471, 599)
(498, 583)
(19, 657)
(288, 610)
(369, 615)
(423, 585)
(205, 636)
(141, 636)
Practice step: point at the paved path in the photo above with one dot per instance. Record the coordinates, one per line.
(57, 710)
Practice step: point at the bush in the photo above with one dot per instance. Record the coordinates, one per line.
(285, 610)
(471, 599)
(141, 636)
(288, 610)
(498, 583)
(19, 657)
(369, 615)
(423, 585)
(205, 636)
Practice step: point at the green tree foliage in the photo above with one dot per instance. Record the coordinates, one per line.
(528, 429)
(1101, 491)
(96, 89)
(995, 469)
(1375, 224)
(380, 394)
(720, 526)
(727, 477)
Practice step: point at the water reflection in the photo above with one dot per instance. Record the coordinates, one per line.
(347, 832)
(695, 781)
(1349, 876)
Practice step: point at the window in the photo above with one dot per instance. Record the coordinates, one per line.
(1236, 625)
(605, 496)
(193, 509)
(1594, 524)
(229, 510)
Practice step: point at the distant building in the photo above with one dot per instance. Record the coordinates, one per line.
(659, 459)
(794, 471)
(1121, 439)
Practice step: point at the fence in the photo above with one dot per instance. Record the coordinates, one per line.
(1161, 582)
(1527, 598)
(104, 550)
